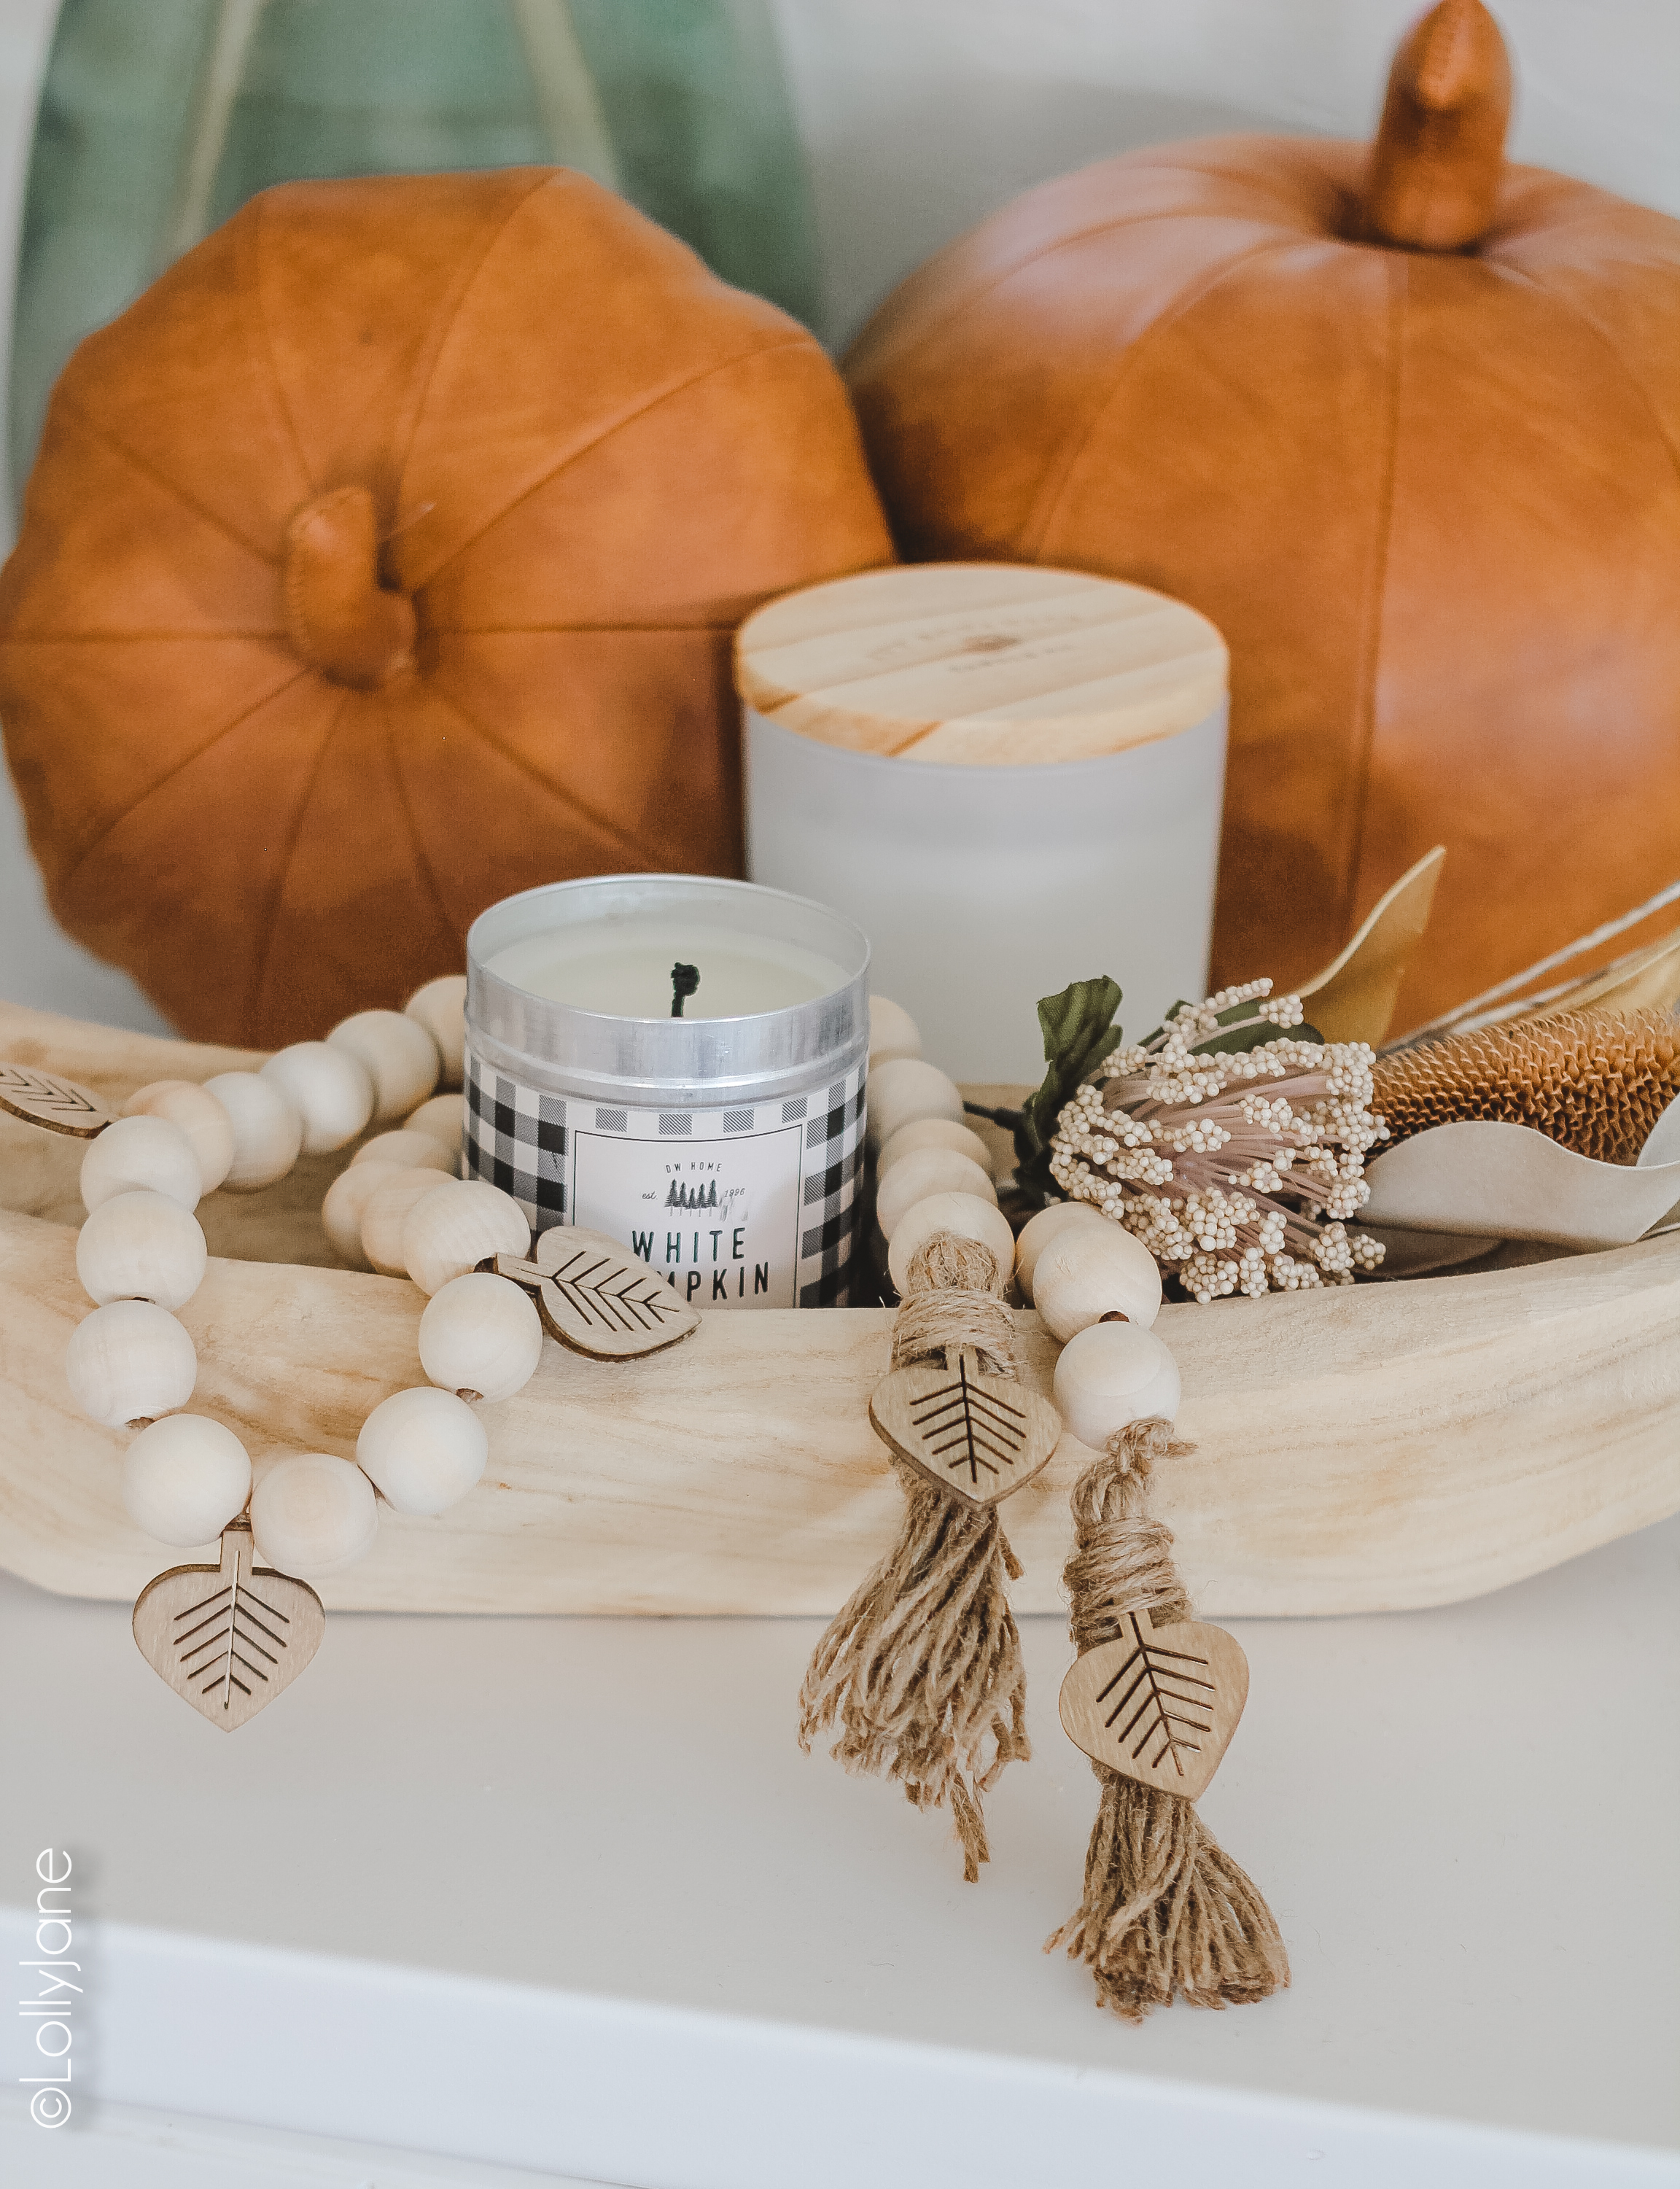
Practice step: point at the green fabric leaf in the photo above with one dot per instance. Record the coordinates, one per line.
(1242, 1038)
(1079, 1033)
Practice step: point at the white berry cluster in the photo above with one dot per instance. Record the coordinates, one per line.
(1237, 1171)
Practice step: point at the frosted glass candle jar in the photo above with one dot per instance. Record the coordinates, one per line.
(720, 1147)
(1012, 778)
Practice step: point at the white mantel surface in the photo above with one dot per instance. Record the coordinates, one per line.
(563, 1895)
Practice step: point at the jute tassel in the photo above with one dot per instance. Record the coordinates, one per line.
(922, 1669)
(1166, 1910)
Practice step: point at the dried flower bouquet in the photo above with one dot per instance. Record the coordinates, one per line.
(1236, 1156)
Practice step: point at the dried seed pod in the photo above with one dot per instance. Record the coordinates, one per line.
(1590, 1081)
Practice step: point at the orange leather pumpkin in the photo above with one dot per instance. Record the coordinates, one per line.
(382, 560)
(1404, 422)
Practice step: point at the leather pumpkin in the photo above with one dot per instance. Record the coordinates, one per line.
(1403, 421)
(382, 560)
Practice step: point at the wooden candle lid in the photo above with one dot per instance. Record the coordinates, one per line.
(980, 663)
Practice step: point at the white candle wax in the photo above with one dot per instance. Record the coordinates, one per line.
(624, 968)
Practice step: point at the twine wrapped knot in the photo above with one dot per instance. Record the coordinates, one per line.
(921, 1669)
(1166, 1911)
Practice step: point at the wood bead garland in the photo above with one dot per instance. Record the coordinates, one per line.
(1087, 1271)
(1037, 1233)
(1111, 1371)
(966, 1216)
(441, 1007)
(422, 1449)
(199, 1115)
(141, 1245)
(128, 1362)
(892, 1033)
(345, 1206)
(141, 1152)
(408, 1148)
(442, 1117)
(330, 1090)
(184, 1478)
(921, 1671)
(480, 1336)
(460, 1224)
(385, 1213)
(925, 1172)
(313, 1515)
(268, 1130)
(932, 1133)
(1166, 1913)
(400, 1056)
(904, 1090)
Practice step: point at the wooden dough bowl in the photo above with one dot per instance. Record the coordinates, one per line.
(1360, 1449)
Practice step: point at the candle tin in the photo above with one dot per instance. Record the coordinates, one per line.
(723, 1152)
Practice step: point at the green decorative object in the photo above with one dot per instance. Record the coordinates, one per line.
(158, 122)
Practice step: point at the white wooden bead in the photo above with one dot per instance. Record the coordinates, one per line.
(893, 1031)
(140, 1151)
(130, 1362)
(400, 1056)
(964, 1213)
(444, 1117)
(933, 1133)
(923, 1172)
(141, 1245)
(1037, 1231)
(268, 1130)
(441, 1007)
(184, 1480)
(905, 1089)
(1113, 1373)
(345, 1206)
(465, 1221)
(332, 1091)
(199, 1116)
(1084, 1274)
(408, 1150)
(423, 1450)
(312, 1515)
(385, 1213)
(481, 1334)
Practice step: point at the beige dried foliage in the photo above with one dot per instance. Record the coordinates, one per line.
(1591, 1082)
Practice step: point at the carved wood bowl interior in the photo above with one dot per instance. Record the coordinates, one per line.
(1384, 1447)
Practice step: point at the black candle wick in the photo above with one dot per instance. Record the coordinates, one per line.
(684, 980)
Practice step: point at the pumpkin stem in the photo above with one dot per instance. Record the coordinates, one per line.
(1439, 152)
(338, 616)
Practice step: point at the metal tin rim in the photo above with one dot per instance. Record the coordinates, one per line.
(673, 1063)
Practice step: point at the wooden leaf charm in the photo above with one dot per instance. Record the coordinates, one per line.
(597, 1298)
(1159, 1705)
(228, 1638)
(42, 1098)
(976, 1435)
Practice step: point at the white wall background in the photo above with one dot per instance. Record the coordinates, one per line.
(920, 117)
